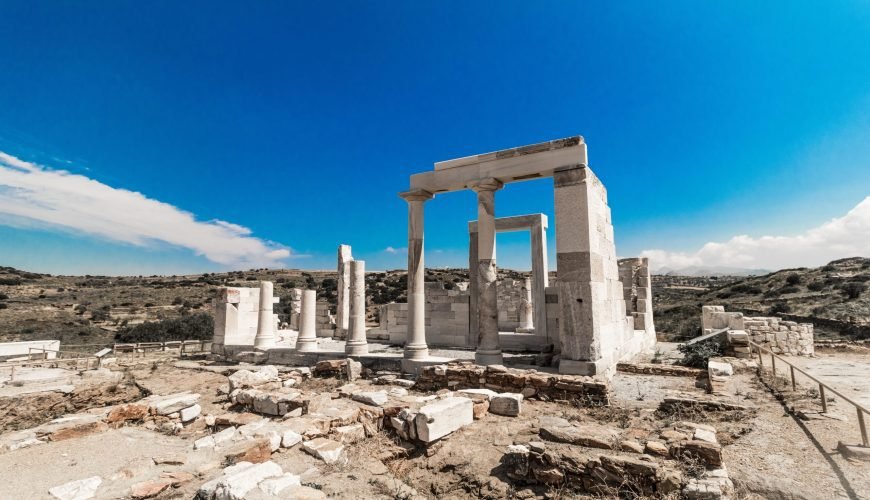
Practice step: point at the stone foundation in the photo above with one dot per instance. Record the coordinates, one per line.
(529, 383)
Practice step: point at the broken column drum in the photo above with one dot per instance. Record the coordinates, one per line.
(342, 310)
(356, 340)
(307, 340)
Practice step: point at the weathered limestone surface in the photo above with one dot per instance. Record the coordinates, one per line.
(356, 343)
(342, 311)
(443, 417)
(488, 350)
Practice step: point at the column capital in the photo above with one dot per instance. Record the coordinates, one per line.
(488, 184)
(416, 195)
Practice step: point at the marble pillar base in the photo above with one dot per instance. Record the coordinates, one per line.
(602, 367)
(416, 351)
(306, 345)
(356, 348)
(486, 358)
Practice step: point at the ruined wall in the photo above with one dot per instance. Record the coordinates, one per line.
(781, 337)
(776, 334)
(447, 314)
(235, 317)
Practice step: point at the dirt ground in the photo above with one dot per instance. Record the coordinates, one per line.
(769, 452)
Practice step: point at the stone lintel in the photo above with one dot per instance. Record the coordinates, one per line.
(514, 223)
(514, 165)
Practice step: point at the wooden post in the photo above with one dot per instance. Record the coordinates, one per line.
(12, 375)
(863, 427)
(773, 365)
(824, 399)
(793, 384)
(760, 358)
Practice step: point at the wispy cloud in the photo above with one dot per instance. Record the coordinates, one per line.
(846, 236)
(35, 196)
(396, 251)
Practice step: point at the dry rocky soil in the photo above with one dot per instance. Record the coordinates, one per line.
(159, 427)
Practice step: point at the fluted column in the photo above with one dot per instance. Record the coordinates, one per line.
(415, 341)
(356, 338)
(488, 348)
(265, 337)
(307, 340)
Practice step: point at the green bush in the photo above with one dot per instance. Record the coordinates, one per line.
(199, 326)
(816, 286)
(853, 289)
(793, 279)
(789, 289)
(698, 354)
(779, 308)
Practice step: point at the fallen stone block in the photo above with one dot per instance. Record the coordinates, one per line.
(149, 489)
(290, 438)
(709, 453)
(238, 482)
(440, 418)
(164, 405)
(352, 369)
(190, 413)
(325, 449)
(77, 430)
(127, 412)
(477, 394)
(77, 490)
(215, 439)
(656, 448)
(378, 398)
(719, 369)
(590, 435)
(276, 485)
(236, 419)
(244, 378)
(349, 434)
(506, 404)
(255, 452)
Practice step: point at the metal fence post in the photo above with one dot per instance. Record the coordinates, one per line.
(793, 384)
(863, 427)
(824, 399)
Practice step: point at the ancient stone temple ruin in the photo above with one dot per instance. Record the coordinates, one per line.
(594, 313)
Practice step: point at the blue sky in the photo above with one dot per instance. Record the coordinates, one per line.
(266, 133)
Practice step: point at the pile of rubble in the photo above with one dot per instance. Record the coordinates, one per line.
(568, 454)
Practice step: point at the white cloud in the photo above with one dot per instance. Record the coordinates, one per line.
(846, 236)
(396, 251)
(36, 196)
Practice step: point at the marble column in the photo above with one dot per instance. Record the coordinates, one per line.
(342, 311)
(415, 341)
(541, 279)
(488, 349)
(265, 337)
(356, 338)
(307, 340)
(527, 310)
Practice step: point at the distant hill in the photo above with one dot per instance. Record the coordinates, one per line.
(836, 297)
(696, 271)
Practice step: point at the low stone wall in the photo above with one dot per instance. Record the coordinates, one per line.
(531, 384)
(781, 337)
